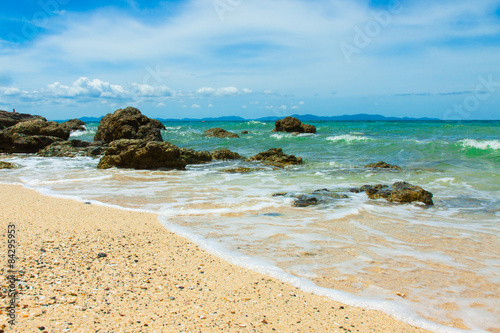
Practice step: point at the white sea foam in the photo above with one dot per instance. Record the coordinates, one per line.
(481, 144)
(348, 138)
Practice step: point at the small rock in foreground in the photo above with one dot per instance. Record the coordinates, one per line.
(401, 192)
(220, 133)
(276, 157)
(382, 165)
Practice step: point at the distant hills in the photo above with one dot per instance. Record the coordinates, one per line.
(305, 117)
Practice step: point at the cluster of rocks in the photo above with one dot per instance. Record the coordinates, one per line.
(399, 192)
(24, 133)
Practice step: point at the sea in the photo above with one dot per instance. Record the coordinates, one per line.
(435, 267)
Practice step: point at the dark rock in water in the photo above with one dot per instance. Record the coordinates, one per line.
(244, 132)
(74, 148)
(305, 200)
(128, 123)
(7, 165)
(225, 154)
(21, 143)
(401, 192)
(243, 170)
(291, 125)
(142, 154)
(102, 255)
(40, 127)
(195, 157)
(74, 125)
(272, 214)
(382, 165)
(220, 133)
(276, 157)
(322, 196)
(8, 119)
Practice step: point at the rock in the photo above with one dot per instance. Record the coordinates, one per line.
(74, 148)
(304, 201)
(7, 165)
(244, 132)
(8, 119)
(21, 143)
(74, 125)
(401, 192)
(276, 157)
(242, 170)
(291, 125)
(382, 165)
(142, 154)
(40, 127)
(102, 255)
(225, 154)
(128, 123)
(195, 157)
(220, 133)
(322, 196)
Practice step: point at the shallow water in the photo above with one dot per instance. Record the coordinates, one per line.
(440, 262)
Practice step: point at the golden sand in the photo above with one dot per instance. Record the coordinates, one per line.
(146, 279)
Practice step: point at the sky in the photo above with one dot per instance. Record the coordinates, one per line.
(208, 58)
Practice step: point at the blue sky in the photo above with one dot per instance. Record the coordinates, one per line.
(209, 58)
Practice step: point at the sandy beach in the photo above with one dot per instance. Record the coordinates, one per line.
(90, 268)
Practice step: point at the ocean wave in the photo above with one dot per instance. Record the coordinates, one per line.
(480, 144)
(253, 122)
(82, 133)
(348, 138)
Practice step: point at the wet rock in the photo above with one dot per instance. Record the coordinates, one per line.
(225, 154)
(291, 125)
(322, 196)
(220, 133)
(142, 154)
(401, 192)
(305, 200)
(382, 165)
(195, 157)
(128, 123)
(74, 148)
(9, 119)
(40, 127)
(242, 170)
(244, 132)
(74, 125)
(7, 165)
(276, 157)
(21, 143)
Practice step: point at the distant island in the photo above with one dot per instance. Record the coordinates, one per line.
(305, 117)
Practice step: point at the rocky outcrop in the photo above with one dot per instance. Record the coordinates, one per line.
(40, 127)
(191, 156)
(142, 154)
(382, 165)
(9, 119)
(128, 123)
(74, 148)
(74, 125)
(401, 192)
(244, 132)
(225, 154)
(220, 133)
(21, 143)
(293, 125)
(7, 165)
(276, 157)
(322, 196)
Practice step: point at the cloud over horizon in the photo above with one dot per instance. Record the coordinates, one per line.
(161, 52)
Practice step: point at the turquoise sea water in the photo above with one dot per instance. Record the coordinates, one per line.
(436, 267)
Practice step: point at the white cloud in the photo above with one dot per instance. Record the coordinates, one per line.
(224, 91)
(301, 103)
(295, 107)
(210, 105)
(244, 106)
(195, 106)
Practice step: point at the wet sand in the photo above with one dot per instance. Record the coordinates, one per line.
(89, 268)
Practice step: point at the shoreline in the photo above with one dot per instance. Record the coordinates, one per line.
(149, 279)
